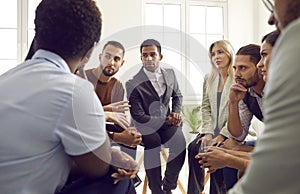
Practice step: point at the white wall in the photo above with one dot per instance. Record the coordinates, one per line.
(119, 17)
(247, 22)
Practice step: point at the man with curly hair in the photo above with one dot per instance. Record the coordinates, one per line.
(52, 118)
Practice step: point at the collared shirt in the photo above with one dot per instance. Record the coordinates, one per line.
(275, 161)
(47, 114)
(246, 115)
(157, 80)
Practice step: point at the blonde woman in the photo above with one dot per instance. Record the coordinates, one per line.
(214, 116)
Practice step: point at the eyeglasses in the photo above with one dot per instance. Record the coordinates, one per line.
(269, 4)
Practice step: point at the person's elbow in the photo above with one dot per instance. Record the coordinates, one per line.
(236, 133)
(95, 163)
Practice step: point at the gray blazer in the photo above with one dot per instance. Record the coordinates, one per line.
(209, 107)
(147, 108)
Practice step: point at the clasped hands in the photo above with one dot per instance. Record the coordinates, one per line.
(214, 157)
(129, 137)
(174, 119)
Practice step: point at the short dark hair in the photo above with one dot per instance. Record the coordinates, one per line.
(68, 28)
(151, 42)
(271, 37)
(252, 50)
(115, 44)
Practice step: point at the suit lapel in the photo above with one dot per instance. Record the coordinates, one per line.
(168, 82)
(214, 91)
(144, 80)
(225, 94)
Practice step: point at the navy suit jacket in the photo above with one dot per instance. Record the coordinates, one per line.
(148, 110)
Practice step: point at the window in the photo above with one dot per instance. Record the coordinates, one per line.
(186, 28)
(16, 31)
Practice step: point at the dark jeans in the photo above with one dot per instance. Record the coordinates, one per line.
(220, 181)
(172, 137)
(103, 185)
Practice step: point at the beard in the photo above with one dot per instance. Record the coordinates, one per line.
(109, 73)
(253, 81)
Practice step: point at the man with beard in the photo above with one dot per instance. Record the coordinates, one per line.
(274, 165)
(246, 95)
(108, 88)
(52, 117)
(110, 92)
(245, 100)
(150, 92)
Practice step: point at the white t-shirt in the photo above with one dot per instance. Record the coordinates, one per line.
(47, 113)
(274, 167)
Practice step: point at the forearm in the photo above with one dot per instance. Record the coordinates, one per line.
(107, 108)
(240, 154)
(234, 125)
(245, 148)
(235, 162)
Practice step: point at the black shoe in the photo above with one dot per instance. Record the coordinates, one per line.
(167, 192)
(136, 181)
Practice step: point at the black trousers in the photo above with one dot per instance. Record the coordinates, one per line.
(172, 138)
(220, 181)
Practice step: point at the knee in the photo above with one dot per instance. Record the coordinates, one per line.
(193, 148)
(151, 142)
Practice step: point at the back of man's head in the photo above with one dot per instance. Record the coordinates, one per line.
(68, 28)
(251, 50)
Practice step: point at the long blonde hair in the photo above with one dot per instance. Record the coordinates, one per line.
(229, 51)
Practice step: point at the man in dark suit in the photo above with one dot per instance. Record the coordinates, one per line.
(149, 94)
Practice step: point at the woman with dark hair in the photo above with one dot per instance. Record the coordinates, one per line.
(268, 42)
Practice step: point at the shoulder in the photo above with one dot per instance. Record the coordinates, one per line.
(137, 79)
(90, 75)
(167, 70)
(116, 83)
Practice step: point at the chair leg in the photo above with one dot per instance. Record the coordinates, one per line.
(145, 185)
(207, 176)
(180, 186)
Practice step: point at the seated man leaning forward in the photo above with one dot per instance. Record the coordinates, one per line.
(246, 96)
(149, 93)
(52, 117)
(110, 92)
(217, 157)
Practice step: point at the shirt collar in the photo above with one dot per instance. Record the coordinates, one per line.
(52, 58)
(149, 73)
(254, 94)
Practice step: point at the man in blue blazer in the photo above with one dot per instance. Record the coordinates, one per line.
(149, 94)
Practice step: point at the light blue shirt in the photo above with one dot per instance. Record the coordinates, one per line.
(47, 114)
